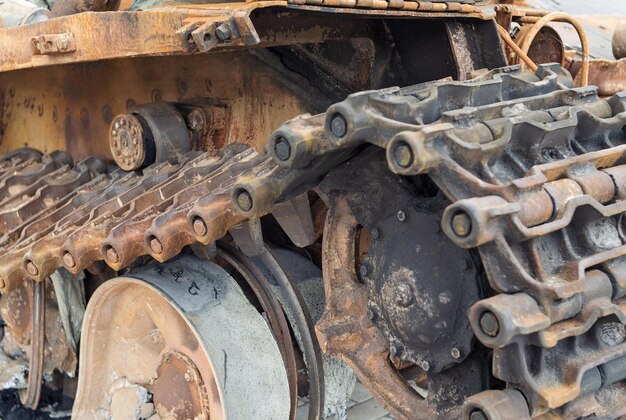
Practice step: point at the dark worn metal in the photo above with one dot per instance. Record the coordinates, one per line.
(418, 307)
(534, 171)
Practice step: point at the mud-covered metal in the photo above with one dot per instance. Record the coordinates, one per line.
(534, 173)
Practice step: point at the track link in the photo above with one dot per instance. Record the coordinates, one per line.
(536, 173)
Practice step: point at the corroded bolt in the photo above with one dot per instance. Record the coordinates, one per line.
(425, 366)
(489, 324)
(461, 224)
(244, 200)
(222, 32)
(32, 268)
(282, 148)
(404, 295)
(156, 245)
(199, 226)
(338, 125)
(196, 120)
(401, 216)
(68, 260)
(403, 155)
(478, 415)
(112, 255)
(456, 353)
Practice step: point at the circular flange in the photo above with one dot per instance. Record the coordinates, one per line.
(126, 139)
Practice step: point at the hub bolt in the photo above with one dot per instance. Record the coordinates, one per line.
(127, 142)
(196, 120)
(404, 295)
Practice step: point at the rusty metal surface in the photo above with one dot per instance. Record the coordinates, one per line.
(546, 219)
(178, 30)
(158, 326)
(119, 217)
(346, 331)
(608, 75)
(44, 109)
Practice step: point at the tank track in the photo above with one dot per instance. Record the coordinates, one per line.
(535, 171)
(536, 174)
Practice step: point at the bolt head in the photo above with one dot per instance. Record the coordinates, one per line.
(127, 142)
(32, 268)
(111, 255)
(461, 224)
(489, 324)
(222, 32)
(403, 155)
(425, 366)
(156, 245)
(456, 353)
(68, 260)
(338, 126)
(282, 148)
(404, 295)
(199, 226)
(196, 120)
(244, 200)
